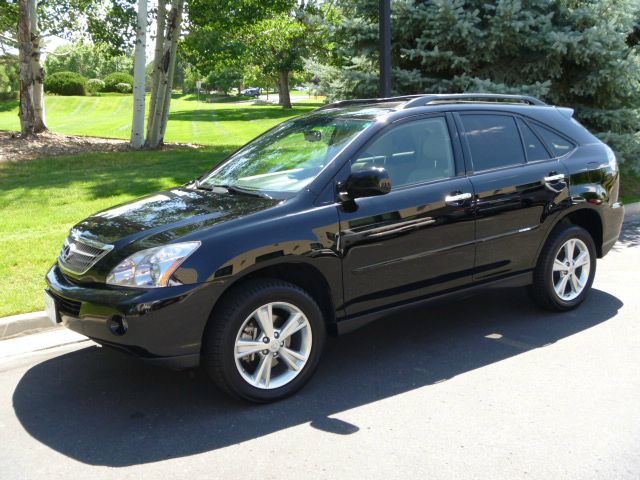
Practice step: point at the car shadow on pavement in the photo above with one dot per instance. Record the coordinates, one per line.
(103, 408)
(629, 235)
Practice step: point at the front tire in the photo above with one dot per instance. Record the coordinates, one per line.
(564, 274)
(264, 341)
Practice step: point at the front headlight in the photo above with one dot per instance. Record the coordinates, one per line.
(152, 267)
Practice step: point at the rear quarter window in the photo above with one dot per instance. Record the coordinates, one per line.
(558, 144)
(532, 145)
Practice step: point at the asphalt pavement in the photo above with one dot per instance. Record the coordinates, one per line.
(485, 386)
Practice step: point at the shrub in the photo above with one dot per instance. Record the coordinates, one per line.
(95, 85)
(66, 83)
(124, 88)
(113, 79)
(8, 96)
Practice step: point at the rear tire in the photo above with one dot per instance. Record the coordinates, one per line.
(264, 341)
(564, 274)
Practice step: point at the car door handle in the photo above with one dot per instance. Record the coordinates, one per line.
(458, 197)
(554, 178)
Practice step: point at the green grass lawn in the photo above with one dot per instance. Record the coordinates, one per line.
(224, 122)
(41, 199)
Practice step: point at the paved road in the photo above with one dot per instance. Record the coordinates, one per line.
(483, 387)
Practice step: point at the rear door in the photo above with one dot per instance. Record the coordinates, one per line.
(417, 239)
(518, 184)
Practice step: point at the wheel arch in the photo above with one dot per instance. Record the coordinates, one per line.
(301, 274)
(585, 217)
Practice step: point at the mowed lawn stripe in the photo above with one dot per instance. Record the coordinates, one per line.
(190, 121)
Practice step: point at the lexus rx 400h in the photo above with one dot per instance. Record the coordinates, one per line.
(335, 218)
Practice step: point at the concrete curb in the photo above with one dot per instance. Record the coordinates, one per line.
(28, 323)
(25, 324)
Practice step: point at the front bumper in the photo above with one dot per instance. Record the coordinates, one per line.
(163, 325)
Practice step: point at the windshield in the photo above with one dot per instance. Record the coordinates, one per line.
(289, 157)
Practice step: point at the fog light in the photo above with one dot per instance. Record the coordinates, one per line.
(118, 325)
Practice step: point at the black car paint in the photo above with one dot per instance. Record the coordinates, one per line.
(159, 219)
(370, 255)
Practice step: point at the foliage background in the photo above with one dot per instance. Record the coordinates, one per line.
(582, 54)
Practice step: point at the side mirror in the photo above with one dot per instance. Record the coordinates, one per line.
(366, 183)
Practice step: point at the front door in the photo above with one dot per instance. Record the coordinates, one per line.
(417, 239)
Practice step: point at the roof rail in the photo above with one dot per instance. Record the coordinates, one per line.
(361, 101)
(422, 100)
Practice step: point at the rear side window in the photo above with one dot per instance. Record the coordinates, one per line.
(494, 141)
(559, 145)
(532, 145)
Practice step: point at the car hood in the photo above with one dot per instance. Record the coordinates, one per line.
(165, 216)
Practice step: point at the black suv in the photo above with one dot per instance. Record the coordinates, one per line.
(333, 219)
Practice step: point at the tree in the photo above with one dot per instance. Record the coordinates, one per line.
(27, 110)
(9, 77)
(113, 23)
(117, 26)
(88, 59)
(8, 44)
(223, 78)
(161, 15)
(34, 21)
(237, 35)
(569, 52)
(277, 45)
(37, 70)
(137, 127)
(164, 69)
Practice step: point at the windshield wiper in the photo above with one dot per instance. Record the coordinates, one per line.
(242, 191)
(233, 189)
(196, 184)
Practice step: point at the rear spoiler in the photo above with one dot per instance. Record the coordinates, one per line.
(565, 111)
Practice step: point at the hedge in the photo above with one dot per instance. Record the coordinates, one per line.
(66, 83)
(95, 85)
(112, 80)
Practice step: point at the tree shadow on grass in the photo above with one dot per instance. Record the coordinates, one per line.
(103, 408)
(241, 113)
(9, 105)
(104, 175)
(207, 98)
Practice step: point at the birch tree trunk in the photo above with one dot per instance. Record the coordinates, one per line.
(27, 113)
(137, 127)
(37, 71)
(157, 59)
(166, 67)
(172, 69)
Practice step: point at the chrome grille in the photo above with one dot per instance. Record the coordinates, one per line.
(78, 256)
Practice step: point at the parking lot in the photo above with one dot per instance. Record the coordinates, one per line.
(484, 386)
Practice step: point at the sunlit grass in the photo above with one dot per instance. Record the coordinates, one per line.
(41, 199)
(225, 122)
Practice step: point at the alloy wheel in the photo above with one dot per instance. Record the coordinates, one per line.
(571, 268)
(273, 345)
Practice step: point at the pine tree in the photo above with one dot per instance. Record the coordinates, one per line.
(582, 54)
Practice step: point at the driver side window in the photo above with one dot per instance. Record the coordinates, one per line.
(413, 152)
